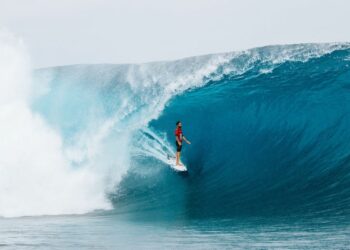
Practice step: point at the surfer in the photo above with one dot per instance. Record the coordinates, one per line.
(179, 137)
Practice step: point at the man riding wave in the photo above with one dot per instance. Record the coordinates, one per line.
(179, 138)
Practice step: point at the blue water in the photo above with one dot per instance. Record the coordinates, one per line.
(113, 232)
(268, 167)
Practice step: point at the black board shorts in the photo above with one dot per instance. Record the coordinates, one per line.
(178, 147)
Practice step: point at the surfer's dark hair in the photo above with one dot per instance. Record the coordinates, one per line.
(177, 123)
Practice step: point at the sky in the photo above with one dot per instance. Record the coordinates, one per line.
(61, 32)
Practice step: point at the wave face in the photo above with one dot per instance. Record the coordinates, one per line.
(272, 139)
(269, 132)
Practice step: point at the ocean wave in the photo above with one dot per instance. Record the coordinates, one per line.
(105, 132)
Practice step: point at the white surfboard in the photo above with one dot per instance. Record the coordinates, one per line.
(172, 164)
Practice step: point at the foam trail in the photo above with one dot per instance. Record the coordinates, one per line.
(150, 144)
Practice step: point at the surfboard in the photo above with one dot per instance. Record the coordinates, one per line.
(172, 164)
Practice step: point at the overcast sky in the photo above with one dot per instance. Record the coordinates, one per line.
(59, 32)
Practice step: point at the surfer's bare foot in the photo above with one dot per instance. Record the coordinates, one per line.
(179, 164)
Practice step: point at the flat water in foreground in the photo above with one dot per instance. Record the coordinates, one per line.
(110, 231)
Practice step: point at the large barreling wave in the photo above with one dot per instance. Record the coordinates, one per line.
(268, 126)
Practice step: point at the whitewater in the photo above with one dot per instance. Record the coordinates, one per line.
(87, 145)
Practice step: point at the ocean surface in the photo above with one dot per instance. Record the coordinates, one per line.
(84, 152)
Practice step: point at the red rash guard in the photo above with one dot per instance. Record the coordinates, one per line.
(178, 134)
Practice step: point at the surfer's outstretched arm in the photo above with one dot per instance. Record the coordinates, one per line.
(187, 141)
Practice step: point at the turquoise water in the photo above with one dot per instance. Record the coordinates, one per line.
(110, 231)
(268, 167)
